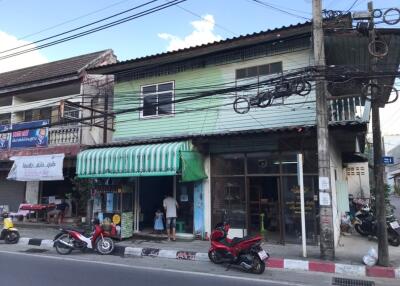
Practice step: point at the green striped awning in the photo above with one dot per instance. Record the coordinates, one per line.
(133, 161)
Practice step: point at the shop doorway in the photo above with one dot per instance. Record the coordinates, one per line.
(264, 199)
(55, 191)
(152, 192)
(184, 197)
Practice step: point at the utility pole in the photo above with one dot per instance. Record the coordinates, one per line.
(327, 246)
(105, 123)
(380, 205)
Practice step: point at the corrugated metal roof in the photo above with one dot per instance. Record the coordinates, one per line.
(52, 70)
(304, 28)
(198, 136)
(350, 49)
(297, 128)
(230, 43)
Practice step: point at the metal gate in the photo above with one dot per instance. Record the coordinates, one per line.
(12, 193)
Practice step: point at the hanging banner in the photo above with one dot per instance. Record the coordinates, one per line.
(4, 137)
(33, 136)
(37, 168)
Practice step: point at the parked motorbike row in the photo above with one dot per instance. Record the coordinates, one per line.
(365, 223)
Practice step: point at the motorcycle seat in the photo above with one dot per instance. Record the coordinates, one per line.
(235, 240)
(80, 230)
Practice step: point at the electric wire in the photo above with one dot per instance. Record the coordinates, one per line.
(96, 29)
(267, 5)
(78, 28)
(71, 20)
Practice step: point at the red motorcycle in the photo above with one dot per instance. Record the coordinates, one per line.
(70, 238)
(245, 252)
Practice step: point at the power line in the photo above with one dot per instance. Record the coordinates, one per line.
(79, 28)
(352, 5)
(201, 17)
(99, 28)
(262, 3)
(200, 95)
(70, 20)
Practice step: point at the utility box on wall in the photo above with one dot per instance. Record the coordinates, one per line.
(357, 177)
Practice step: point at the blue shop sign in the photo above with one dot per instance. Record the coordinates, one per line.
(30, 134)
(4, 137)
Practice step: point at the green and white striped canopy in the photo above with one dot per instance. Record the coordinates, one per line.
(133, 161)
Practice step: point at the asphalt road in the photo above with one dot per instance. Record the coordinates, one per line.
(24, 269)
(21, 267)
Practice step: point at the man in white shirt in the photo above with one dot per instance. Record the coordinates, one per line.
(170, 206)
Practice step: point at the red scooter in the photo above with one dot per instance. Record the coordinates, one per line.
(71, 238)
(245, 252)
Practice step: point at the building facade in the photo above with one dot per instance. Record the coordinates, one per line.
(40, 112)
(176, 108)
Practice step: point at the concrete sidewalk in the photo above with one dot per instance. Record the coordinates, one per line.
(348, 255)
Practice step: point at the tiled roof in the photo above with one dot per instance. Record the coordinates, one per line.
(52, 70)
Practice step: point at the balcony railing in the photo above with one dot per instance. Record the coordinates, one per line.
(65, 135)
(348, 108)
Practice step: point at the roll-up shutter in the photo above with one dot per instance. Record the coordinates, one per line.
(12, 193)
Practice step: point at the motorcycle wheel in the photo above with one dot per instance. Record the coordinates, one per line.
(105, 245)
(258, 265)
(214, 257)
(62, 249)
(360, 230)
(393, 238)
(12, 237)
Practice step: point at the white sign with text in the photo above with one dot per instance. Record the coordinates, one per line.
(324, 183)
(37, 168)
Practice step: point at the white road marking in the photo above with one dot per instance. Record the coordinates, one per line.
(159, 269)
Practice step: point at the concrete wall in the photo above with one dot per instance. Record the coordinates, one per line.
(357, 177)
(207, 195)
(336, 175)
(96, 87)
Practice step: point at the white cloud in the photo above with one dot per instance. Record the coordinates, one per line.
(203, 33)
(8, 41)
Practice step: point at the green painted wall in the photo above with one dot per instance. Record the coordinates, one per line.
(294, 111)
(184, 121)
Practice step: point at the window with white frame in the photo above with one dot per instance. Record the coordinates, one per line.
(157, 99)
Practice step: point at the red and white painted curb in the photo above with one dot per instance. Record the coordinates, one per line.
(338, 268)
(290, 264)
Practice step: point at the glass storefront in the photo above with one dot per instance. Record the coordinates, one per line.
(229, 202)
(292, 210)
(259, 192)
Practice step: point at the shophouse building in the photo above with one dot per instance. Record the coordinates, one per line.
(41, 131)
(176, 131)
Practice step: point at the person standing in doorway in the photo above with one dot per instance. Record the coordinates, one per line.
(170, 206)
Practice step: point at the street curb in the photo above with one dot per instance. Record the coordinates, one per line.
(273, 262)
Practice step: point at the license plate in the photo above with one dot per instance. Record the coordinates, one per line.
(395, 224)
(263, 255)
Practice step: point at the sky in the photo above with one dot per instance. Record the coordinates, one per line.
(192, 22)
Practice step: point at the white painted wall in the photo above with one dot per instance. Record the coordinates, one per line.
(357, 177)
(336, 165)
(207, 195)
